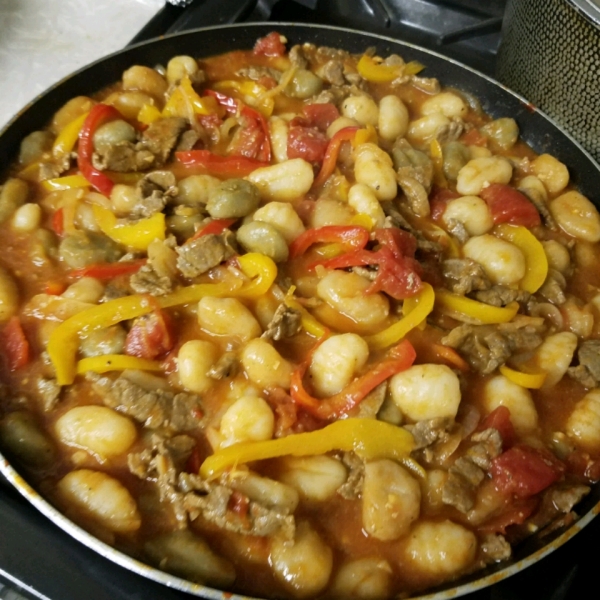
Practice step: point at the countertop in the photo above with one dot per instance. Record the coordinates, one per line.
(42, 41)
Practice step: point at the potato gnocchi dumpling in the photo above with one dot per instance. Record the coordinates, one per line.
(294, 322)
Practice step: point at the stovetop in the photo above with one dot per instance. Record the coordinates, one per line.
(38, 559)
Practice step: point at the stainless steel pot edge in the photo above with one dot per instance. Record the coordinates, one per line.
(177, 583)
(587, 9)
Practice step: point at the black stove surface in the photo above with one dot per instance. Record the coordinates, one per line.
(40, 560)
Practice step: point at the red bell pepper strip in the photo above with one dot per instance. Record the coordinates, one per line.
(264, 152)
(109, 270)
(398, 273)
(58, 222)
(216, 226)
(332, 153)
(221, 166)
(15, 347)
(350, 236)
(99, 114)
(399, 358)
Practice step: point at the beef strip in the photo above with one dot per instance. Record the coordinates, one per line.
(199, 255)
(396, 219)
(451, 131)
(463, 276)
(297, 57)
(501, 295)
(486, 347)
(332, 72)
(154, 190)
(415, 193)
(148, 281)
(226, 366)
(429, 431)
(468, 471)
(257, 73)
(554, 287)
(495, 548)
(352, 487)
(155, 408)
(588, 370)
(286, 322)
(540, 204)
(212, 501)
(161, 463)
(153, 149)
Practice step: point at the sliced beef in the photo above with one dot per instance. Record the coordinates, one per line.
(352, 487)
(332, 72)
(429, 431)
(468, 471)
(256, 73)
(226, 366)
(161, 137)
(416, 195)
(154, 189)
(297, 57)
(486, 347)
(161, 463)
(429, 85)
(202, 254)
(451, 131)
(153, 149)
(463, 276)
(588, 370)
(217, 502)
(396, 219)
(495, 548)
(540, 204)
(554, 287)
(155, 407)
(286, 322)
(148, 281)
(501, 295)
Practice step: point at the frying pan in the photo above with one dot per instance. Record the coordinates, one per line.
(536, 129)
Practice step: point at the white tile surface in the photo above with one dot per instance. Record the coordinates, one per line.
(42, 41)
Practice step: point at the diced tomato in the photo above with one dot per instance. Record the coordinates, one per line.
(270, 45)
(499, 419)
(15, 347)
(516, 514)
(247, 141)
(150, 336)
(320, 116)
(306, 142)
(525, 471)
(438, 200)
(508, 205)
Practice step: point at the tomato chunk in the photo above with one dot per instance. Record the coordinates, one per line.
(150, 336)
(307, 143)
(525, 471)
(508, 205)
(15, 346)
(499, 419)
(320, 116)
(270, 45)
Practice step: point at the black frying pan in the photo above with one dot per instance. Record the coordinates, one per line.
(536, 129)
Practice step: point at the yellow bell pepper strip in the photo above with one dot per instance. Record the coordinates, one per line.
(262, 272)
(67, 138)
(64, 340)
(437, 157)
(533, 381)
(422, 305)
(96, 117)
(148, 114)
(377, 72)
(332, 152)
(399, 358)
(364, 136)
(184, 98)
(535, 257)
(369, 438)
(253, 93)
(116, 362)
(137, 235)
(65, 183)
(472, 311)
(353, 237)
(309, 323)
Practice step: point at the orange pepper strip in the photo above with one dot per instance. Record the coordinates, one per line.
(398, 359)
(332, 152)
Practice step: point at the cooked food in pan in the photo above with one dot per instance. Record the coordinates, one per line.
(299, 323)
